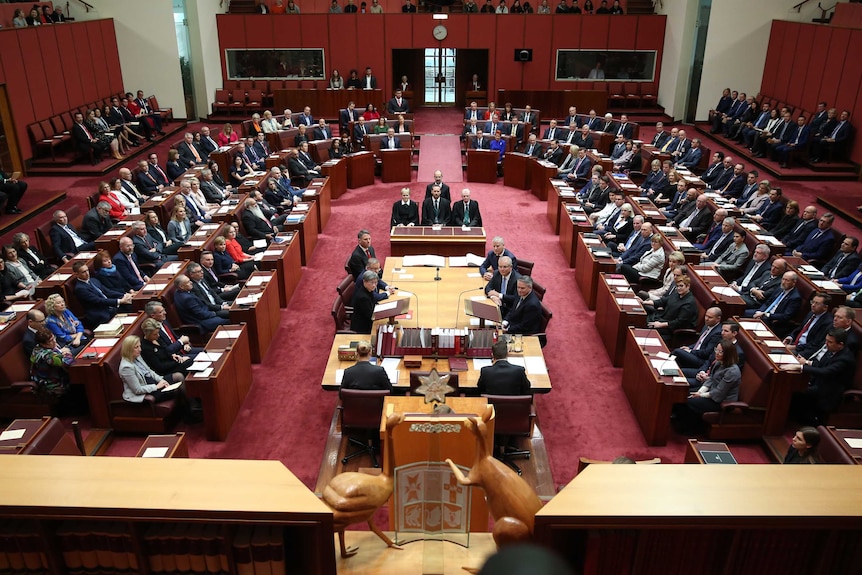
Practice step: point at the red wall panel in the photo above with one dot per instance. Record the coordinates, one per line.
(369, 52)
(100, 62)
(258, 32)
(53, 73)
(66, 48)
(510, 36)
(112, 57)
(399, 30)
(594, 33)
(848, 85)
(542, 70)
(786, 60)
(773, 55)
(838, 44)
(622, 33)
(799, 65)
(816, 64)
(85, 63)
(40, 100)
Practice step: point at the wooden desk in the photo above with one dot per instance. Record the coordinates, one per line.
(396, 165)
(694, 449)
(261, 317)
(710, 289)
(62, 281)
(320, 191)
(656, 519)
(617, 309)
(224, 389)
(41, 494)
(467, 380)
(517, 173)
(437, 303)
(223, 156)
(279, 158)
(650, 153)
(588, 267)
(541, 173)
(336, 171)
(45, 436)
(325, 103)
(163, 203)
(482, 166)
(598, 158)
(573, 222)
(172, 445)
(307, 230)
(675, 241)
(284, 259)
(650, 394)
(228, 211)
(624, 183)
(110, 240)
(558, 194)
(692, 180)
(360, 169)
(446, 241)
(643, 206)
(842, 435)
(160, 286)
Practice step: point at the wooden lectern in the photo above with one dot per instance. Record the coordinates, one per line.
(396, 165)
(482, 166)
(427, 500)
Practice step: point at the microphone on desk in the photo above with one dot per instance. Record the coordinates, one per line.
(437, 277)
(671, 371)
(460, 295)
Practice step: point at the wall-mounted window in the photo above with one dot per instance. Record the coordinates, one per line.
(292, 64)
(605, 65)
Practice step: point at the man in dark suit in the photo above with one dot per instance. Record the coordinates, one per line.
(806, 339)
(85, 141)
(391, 141)
(845, 262)
(818, 243)
(146, 250)
(581, 168)
(694, 219)
(11, 191)
(554, 153)
(525, 309)
(756, 269)
(625, 129)
(96, 222)
(369, 82)
(436, 209)
(797, 140)
(553, 132)
(715, 169)
(780, 310)
(189, 150)
(514, 129)
(35, 322)
(127, 265)
(691, 159)
(466, 212)
(305, 118)
(322, 131)
(192, 309)
(697, 375)
(503, 378)
(630, 250)
(398, 105)
(208, 144)
(100, 303)
(202, 290)
(348, 115)
(438, 181)
(831, 137)
(491, 263)
(769, 213)
(797, 236)
(661, 136)
(532, 147)
(359, 258)
(695, 354)
(297, 168)
(65, 239)
(364, 375)
(583, 138)
(226, 291)
(831, 375)
(383, 290)
(168, 338)
(607, 125)
(480, 142)
(679, 310)
(405, 212)
(765, 288)
(256, 224)
(503, 283)
(261, 148)
(360, 130)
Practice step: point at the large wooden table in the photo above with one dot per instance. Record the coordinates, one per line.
(658, 519)
(445, 241)
(650, 394)
(467, 380)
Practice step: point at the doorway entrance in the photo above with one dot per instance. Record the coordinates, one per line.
(439, 76)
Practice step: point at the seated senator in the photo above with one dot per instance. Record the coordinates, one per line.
(503, 378)
(365, 375)
(48, 367)
(224, 262)
(140, 382)
(158, 357)
(680, 311)
(525, 309)
(721, 385)
(803, 446)
(67, 328)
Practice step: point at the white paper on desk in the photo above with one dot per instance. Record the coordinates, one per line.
(209, 226)
(261, 243)
(773, 343)
(339, 375)
(809, 269)
(12, 434)
(257, 280)
(475, 321)
(616, 282)
(228, 334)
(645, 341)
(536, 365)
(854, 442)
(127, 319)
(224, 209)
(60, 277)
(826, 284)
(458, 261)
(761, 332)
(405, 276)
(681, 243)
(248, 300)
(392, 374)
(385, 306)
(662, 364)
(517, 361)
(258, 256)
(199, 365)
(592, 241)
(203, 373)
(154, 286)
(666, 229)
(652, 212)
(662, 354)
(172, 268)
(402, 293)
(105, 342)
(477, 298)
(628, 301)
(84, 255)
(708, 273)
(271, 252)
(208, 356)
(195, 243)
(750, 227)
(22, 307)
(157, 452)
(390, 363)
(474, 275)
(750, 325)
(114, 233)
(724, 290)
(783, 358)
(480, 362)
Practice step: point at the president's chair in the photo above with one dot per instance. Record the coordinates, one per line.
(513, 419)
(360, 413)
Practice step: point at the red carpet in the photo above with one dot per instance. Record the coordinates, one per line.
(440, 153)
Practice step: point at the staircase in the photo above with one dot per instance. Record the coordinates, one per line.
(639, 7)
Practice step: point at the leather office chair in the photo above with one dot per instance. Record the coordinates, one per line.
(514, 416)
(360, 412)
(546, 318)
(539, 289)
(340, 316)
(345, 284)
(525, 267)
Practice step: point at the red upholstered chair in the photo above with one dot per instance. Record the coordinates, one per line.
(616, 95)
(546, 319)
(539, 289)
(19, 397)
(525, 267)
(255, 100)
(632, 91)
(221, 102)
(237, 101)
(340, 316)
(360, 413)
(514, 416)
(167, 114)
(648, 95)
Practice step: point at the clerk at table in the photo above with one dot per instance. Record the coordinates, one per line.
(405, 212)
(502, 378)
(364, 375)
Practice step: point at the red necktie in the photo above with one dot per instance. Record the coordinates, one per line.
(169, 334)
(804, 329)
